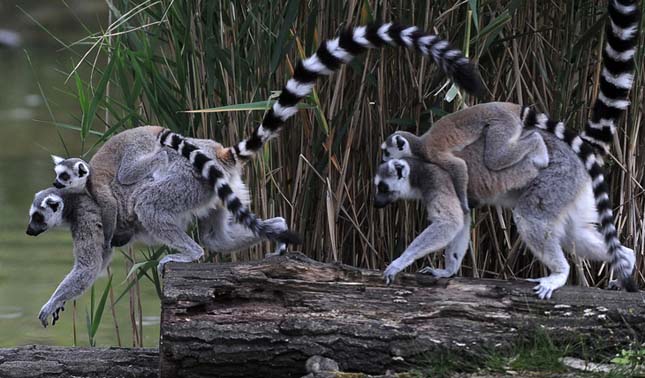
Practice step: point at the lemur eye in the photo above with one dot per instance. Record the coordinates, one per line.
(53, 205)
(64, 176)
(382, 187)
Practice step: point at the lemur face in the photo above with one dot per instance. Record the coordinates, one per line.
(71, 174)
(392, 182)
(395, 147)
(46, 212)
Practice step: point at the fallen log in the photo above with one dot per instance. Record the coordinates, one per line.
(68, 362)
(266, 318)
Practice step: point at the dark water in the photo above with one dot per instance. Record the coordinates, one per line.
(30, 268)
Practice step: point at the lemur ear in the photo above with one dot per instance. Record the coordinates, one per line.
(400, 142)
(53, 204)
(81, 169)
(57, 159)
(402, 170)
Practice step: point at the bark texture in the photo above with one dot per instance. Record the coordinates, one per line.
(67, 362)
(266, 318)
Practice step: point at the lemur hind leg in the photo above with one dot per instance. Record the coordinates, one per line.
(163, 206)
(455, 252)
(164, 229)
(220, 233)
(506, 146)
(585, 240)
(542, 236)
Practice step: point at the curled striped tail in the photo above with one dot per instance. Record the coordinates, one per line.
(622, 261)
(617, 76)
(210, 171)
(333, 53)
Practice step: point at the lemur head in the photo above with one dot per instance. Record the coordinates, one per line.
(46, 212)
(392, 182)
(396, 146)
(71, 174)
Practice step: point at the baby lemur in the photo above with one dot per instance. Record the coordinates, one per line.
(127, 157)
(496, 122)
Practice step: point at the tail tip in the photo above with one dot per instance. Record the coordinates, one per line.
(469, 79)
(290, 237)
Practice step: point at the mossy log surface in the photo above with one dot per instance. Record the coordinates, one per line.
(265, 318)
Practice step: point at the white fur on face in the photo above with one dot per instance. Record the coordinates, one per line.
(51, 218)
(60, 169)
(399, 186)
(391, 145)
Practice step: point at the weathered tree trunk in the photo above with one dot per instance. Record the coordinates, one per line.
(66, 362)
(265, 318)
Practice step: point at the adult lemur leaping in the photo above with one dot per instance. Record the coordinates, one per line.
(559, 207)
(155, 203)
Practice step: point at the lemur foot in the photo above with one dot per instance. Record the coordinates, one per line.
(53, 309)
(280, 249)
(540, 156)
(547, 285)
(439, 273)
(464, 205)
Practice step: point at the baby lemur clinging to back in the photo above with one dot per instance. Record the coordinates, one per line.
(127, 157)
(496, 122)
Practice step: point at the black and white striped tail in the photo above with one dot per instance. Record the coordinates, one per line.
(617, 76)
(587, 155)
(333, 53)
(216, 178)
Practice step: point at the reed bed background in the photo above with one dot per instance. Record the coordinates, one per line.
(158, 59)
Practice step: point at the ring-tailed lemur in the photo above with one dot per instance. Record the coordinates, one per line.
(616, 81)
(131, 155)
(555, 210)
(492, 121)
(328, 58)
(156, 209)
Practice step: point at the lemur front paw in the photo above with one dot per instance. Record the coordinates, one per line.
(53, 309)
(439, 273)
(547, 285)
(280, 249)
(392, 270)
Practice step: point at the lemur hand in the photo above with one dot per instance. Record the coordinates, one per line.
(50, 308)
(392, 270)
